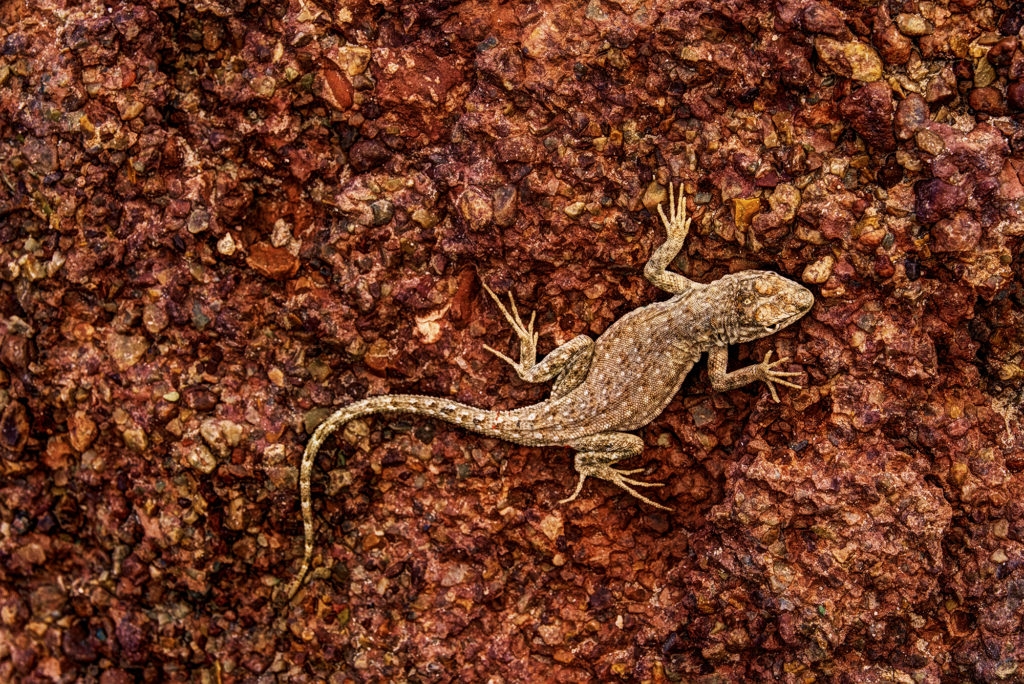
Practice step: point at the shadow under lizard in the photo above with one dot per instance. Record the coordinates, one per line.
(606, 388)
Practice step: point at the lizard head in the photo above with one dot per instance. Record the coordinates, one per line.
(765, 303)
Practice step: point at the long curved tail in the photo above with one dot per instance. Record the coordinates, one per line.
(465, 416)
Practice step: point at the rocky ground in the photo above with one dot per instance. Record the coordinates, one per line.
(219, 220)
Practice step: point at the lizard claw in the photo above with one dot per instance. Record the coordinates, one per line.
(576, 492)
(503, 357)
(770, 376)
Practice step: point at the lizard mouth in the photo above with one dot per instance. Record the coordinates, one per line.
(779, 325)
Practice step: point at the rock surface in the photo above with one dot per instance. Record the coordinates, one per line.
(219, 219)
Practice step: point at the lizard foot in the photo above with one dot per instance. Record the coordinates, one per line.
(604, 471)
(769, 375)
(677, 225)
(527, 336)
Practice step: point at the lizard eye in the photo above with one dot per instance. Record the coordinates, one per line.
(747, 301)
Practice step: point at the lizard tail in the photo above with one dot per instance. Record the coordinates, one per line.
(464, 416)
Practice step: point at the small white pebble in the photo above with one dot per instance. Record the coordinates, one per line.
(226, 245)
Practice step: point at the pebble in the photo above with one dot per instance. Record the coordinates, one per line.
(273, 262)
(367, 154)
(984, 74)
(198, 221)
(135, 439)
(126, 350)
(201, 458)
(475, 208)
(504, 202)
(869, 111)
(911, 115)
(226, 245)
(929, 142)
(281, 235)
(894, 47)
(913, 24)
(654, 195)
(264, 86)
(942, 87)
(383, 211)
(221, 435)
(199, 398)
(819, 271)
(852, 59)
(784, 201)
(1015, 94)
(574, 210)
(425, 218)
(154, 318)
(987, 100)
(312, 419)
(744, 210)
(353, 59)
(81, 430)
(936, 199)
(337, 90)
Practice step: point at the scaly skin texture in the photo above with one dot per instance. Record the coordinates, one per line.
(606, 388)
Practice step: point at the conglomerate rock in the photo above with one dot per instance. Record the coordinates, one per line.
(220, 219)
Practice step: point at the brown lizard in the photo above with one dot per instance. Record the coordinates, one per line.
(606, 388)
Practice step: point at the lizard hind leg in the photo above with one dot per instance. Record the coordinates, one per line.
(596, 457)
(568, 364)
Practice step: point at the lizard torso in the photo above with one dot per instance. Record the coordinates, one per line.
(639, 362)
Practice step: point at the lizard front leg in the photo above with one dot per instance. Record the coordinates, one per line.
(595, 456)
(568, 363)
(721, 380)
(677, 225)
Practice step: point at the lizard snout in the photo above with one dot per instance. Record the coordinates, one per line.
(784, 307)
(803, 299)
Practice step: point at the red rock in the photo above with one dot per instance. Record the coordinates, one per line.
(14, 427)
(16, 351)
(412, 84)
(1015, 94)
(504, 201)
(1001, 54)
(132, 638)
(379, 355)
(520, 148)
(958, 234)
(463, 303)
(911, 116)
(893, 46)
(869, 110)
(199, 398)
(1016, 69)
(1012, 19)
(337, 90)
(273, 262)
(823, 18)
(988, 100)
(942, 87)
(937, 199)
(368, 154)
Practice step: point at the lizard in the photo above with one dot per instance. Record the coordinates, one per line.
(605, 389)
